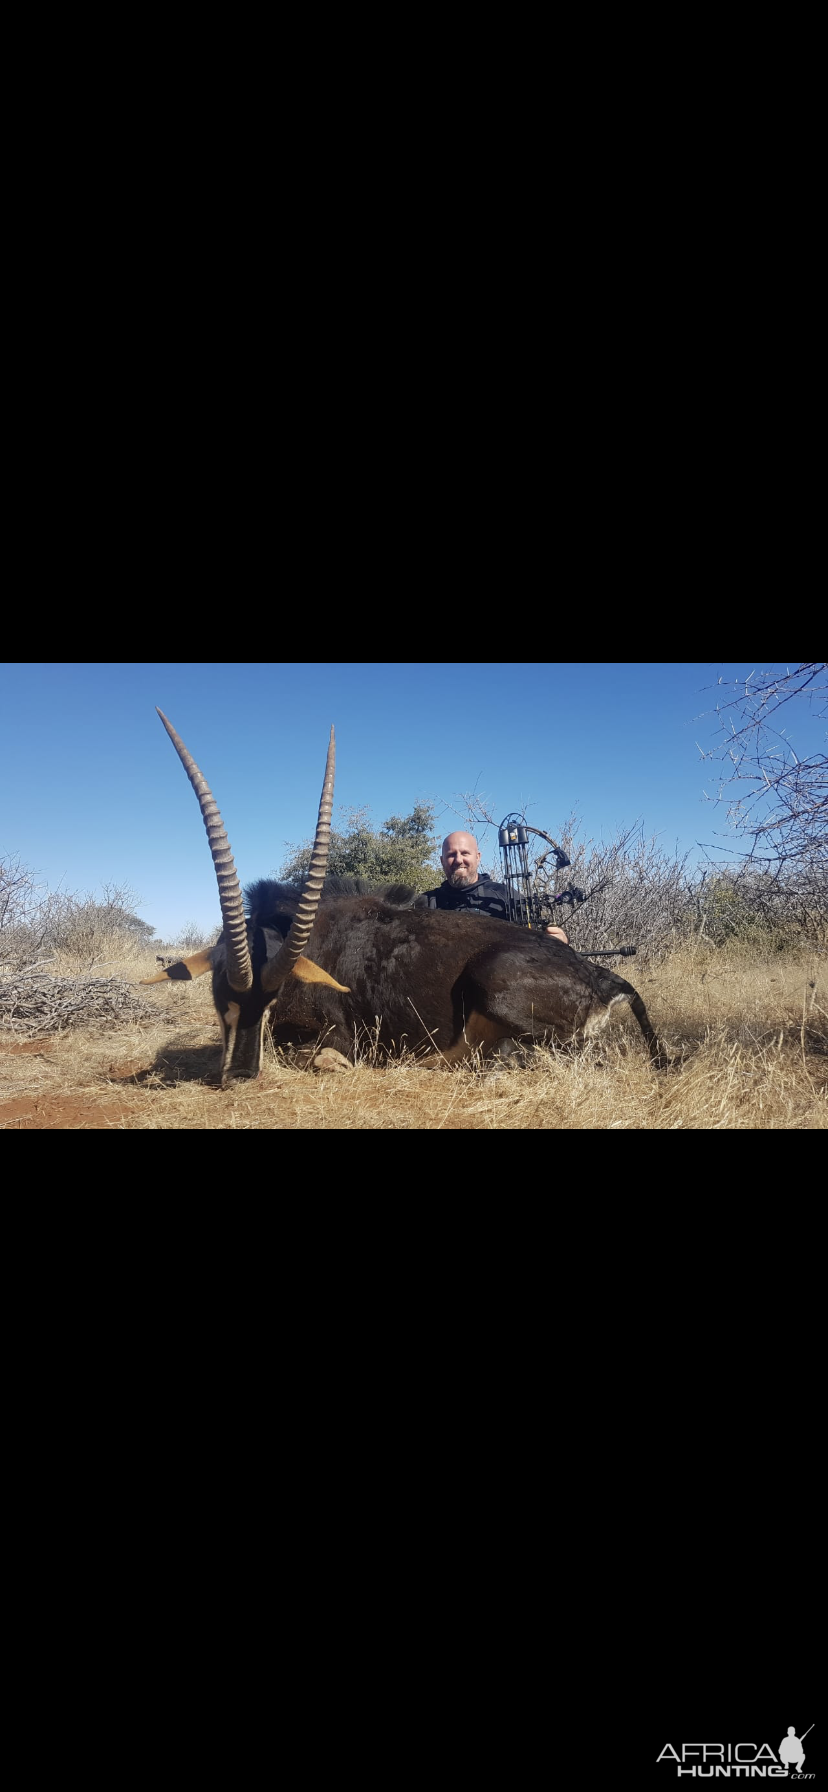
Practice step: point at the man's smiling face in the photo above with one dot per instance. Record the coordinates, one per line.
(460, 858)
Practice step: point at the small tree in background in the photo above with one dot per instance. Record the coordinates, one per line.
(402, 851)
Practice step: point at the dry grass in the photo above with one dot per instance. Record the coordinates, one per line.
(750, 1039)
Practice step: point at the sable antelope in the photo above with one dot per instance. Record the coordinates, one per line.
(331, 959)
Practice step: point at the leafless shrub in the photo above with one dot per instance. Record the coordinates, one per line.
(638, 893)
(748, 904)
(84, 930)
(191, 938)
(22, 901)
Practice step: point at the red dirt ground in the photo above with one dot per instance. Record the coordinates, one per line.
(61, 1113)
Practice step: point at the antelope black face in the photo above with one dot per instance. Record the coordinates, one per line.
(250, 962)
(241, 1014)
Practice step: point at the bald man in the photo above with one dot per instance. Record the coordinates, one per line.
(464, 888)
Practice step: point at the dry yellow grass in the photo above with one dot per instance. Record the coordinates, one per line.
(750, 1038)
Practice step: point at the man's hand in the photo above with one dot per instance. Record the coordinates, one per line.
(557, 934)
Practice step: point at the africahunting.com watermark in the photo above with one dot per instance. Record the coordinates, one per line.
(741, 1760)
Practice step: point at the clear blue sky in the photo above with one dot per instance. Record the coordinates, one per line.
(91, 789)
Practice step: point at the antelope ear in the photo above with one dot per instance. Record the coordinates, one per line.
(308, 972)
(184, 969)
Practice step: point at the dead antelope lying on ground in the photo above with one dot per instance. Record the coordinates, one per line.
(323, 963)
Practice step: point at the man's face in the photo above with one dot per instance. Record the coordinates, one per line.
(460, 858)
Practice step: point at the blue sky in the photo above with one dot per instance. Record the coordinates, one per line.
(91, 789)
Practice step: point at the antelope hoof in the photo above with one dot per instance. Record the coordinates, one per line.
(330, 1059)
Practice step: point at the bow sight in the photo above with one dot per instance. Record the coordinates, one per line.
(529, 904)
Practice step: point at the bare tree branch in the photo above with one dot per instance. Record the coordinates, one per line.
(776, 798)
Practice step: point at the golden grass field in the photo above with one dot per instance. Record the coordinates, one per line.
(749, 1038)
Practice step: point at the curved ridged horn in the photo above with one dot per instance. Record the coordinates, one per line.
(278, 968)
(239, 967)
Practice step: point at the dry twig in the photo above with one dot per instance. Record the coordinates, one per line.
(32, 1003)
